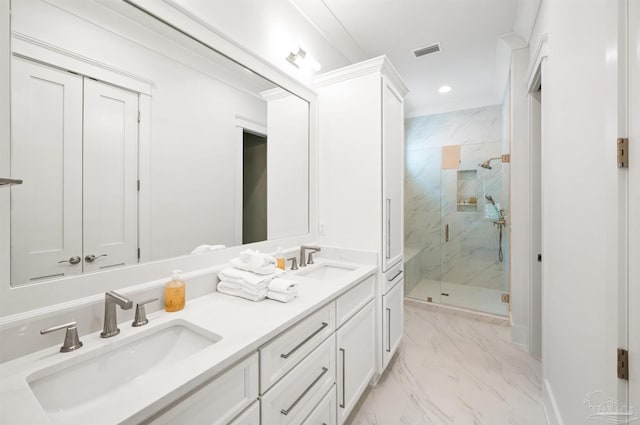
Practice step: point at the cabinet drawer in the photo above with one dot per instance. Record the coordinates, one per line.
(354, 299)
(251, 416)
(285, 351)
(219, 401)
(295, 396)
(325, 411)
(392, 277)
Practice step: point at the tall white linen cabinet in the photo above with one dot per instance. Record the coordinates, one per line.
(361, 167)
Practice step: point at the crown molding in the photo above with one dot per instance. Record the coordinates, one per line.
(379, 64)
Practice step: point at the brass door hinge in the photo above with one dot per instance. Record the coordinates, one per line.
(623, 153)
(506, 298)
(623, 364)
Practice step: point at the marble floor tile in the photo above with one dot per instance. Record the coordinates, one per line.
(470, 297)
(455, 368)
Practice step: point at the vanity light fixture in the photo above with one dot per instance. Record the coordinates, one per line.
(444, 89)
(302, 59)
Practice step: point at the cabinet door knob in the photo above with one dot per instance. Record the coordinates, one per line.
(72, 260)
(91, 258)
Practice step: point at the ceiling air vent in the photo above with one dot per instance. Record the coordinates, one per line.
(434, 48)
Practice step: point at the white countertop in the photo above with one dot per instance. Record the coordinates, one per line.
(243, 325)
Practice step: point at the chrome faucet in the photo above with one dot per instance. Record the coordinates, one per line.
(71, 340)
(112, 298)
(303, 250)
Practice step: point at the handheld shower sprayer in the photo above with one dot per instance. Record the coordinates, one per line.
(490, 199)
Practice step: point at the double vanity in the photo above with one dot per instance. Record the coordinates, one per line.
(147, 130)
(220, 360)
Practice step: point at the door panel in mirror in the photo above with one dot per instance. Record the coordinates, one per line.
(47, 208)
(110, 178)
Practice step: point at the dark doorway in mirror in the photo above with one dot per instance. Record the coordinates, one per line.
(254, 188)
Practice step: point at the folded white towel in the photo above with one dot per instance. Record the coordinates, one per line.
(225, 288)
(207, 248)
(242, 286)
(235, 275)
(255, 262)
(279, 296)
(282, 285)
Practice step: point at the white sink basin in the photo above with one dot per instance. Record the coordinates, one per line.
(70, 389)
(326, 271)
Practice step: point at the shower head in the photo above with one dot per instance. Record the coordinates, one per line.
(485, 164)
(490, 199)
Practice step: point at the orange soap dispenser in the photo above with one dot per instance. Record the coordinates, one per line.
(174, 293)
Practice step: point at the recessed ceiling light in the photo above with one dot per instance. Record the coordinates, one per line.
(444, 89)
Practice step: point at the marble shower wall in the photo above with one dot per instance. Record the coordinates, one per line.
(431, 197)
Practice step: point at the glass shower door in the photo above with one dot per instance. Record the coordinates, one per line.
(473, 267)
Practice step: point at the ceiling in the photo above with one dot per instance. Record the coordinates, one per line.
(474, 60)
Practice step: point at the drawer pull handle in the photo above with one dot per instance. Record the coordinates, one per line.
(388, 330)
(297, 347)
(344, 353)
(304, 393)
(396, 275)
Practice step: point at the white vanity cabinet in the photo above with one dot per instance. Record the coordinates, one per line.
(325, 411)
(361, 171)
(294, 397)
(392, 305)
(219, 401)
(361, 149)
(282, 353)
(355, 342)
(392, 174)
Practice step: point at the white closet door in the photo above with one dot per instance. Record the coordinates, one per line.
(46, 153)
(392, 177)
(110, 195)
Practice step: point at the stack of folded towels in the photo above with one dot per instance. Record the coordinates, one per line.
(254, 277)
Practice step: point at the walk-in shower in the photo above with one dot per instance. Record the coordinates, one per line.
(456, 211)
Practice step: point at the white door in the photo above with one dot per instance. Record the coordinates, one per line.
(392, 175)
(392, 309)
(46, 153)
(110, 194)
(356, 358)
(634, 206)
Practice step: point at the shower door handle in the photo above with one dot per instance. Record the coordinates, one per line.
(446, 233)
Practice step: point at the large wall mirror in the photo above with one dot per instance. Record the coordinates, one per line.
(135, 142)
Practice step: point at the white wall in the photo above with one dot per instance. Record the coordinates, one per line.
(580, 198)
(287, 166)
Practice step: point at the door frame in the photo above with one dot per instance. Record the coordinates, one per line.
(259, 129)
(633, 188)
(536, 185)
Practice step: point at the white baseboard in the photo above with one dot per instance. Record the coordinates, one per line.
(520, 336)
(550, 406)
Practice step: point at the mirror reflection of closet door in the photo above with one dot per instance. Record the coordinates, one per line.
(46, 153)
(110, 194)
